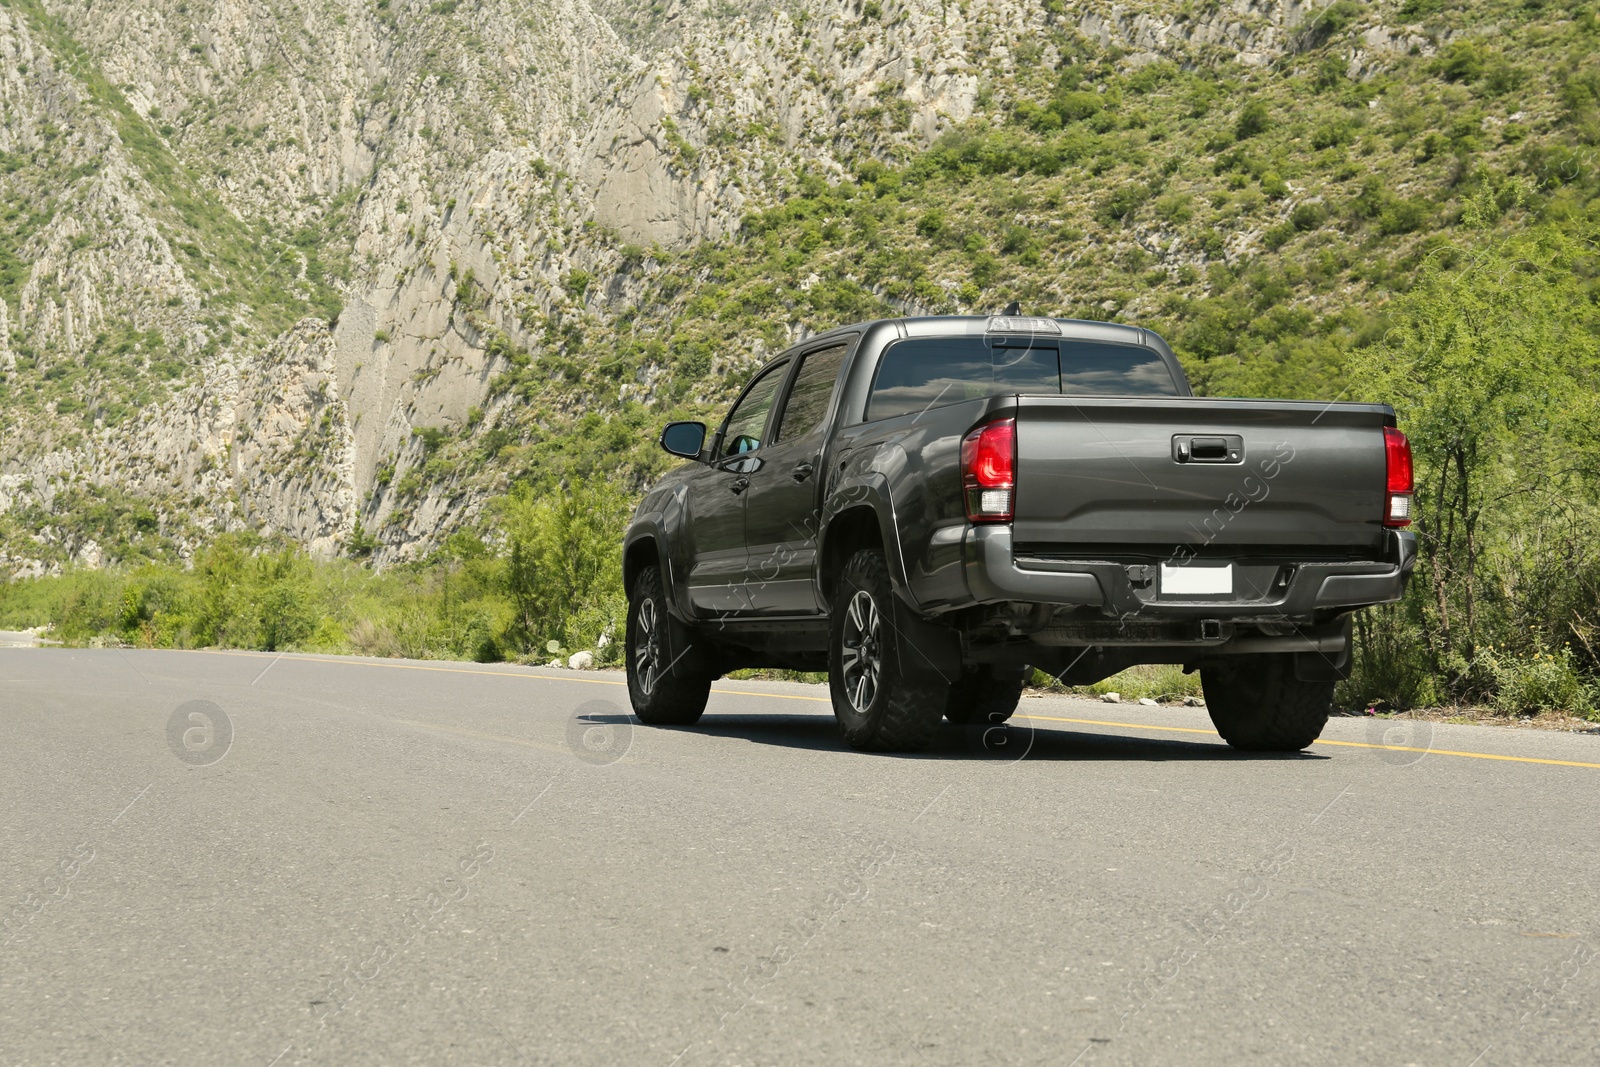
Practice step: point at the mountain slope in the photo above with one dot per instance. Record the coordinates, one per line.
(344, 271)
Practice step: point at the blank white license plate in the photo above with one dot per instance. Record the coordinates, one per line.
(1195, 579)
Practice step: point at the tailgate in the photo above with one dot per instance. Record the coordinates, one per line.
(1132, 476)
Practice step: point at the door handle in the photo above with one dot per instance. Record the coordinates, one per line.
(1195, 448)
(802, 471)
(740, 484)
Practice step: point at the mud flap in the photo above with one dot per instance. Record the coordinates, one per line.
(1326, 666)
(924, 647)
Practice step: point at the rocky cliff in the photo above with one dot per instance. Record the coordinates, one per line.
(266, 263)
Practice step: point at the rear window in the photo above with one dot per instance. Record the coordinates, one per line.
(922, 373)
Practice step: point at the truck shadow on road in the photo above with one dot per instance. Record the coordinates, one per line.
(1022, 741)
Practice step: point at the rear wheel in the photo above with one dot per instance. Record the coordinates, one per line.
(667, 683)
(1257, 704)
(982, 696)
(880, 706)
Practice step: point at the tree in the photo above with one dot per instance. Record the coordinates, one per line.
(564, 572)
(1493, 367)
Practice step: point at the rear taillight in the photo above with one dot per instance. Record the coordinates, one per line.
(989, 471)
(1397, 467)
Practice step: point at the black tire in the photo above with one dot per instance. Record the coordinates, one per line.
(880, 706)
(667, 682)
(983, 697)
(1258, 705)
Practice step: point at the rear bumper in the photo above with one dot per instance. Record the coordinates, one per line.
(994, 574)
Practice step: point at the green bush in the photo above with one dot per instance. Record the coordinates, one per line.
(559, 578)
(1124, 201)
(1309, 216)
(1542, 682)
(1390, 662)
(1461, 61)
(1402, 216)
(564, 566)
(1254, 118)
(1336, 17)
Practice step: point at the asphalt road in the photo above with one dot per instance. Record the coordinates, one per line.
(341, 861)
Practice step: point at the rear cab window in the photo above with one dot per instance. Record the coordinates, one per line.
(921, 373)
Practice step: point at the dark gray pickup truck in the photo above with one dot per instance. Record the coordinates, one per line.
(928, 508)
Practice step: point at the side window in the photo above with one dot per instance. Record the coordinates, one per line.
(808, 399)
(749, 416)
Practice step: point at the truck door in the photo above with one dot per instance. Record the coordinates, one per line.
(781, 505)
(717, 501)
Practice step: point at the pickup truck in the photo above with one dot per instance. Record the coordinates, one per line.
(931, 508)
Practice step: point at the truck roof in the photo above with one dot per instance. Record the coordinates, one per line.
(977, 325)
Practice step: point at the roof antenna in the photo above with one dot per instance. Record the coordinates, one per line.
(1013, 308)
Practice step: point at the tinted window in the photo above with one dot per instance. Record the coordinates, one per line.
(749, 416)
(1089, 368)
(918, 374)
(922, 373)
(808, 399)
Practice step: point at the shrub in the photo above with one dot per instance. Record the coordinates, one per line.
(1390, 665)
(1176, 208)
(1336, 17)
(1123, 201)
(1278, 236)
(564, 566)
(1402, 216)
(1541, 682)
(1309, 216)
(1332, 132)
(1253, 119)
(1461, 61)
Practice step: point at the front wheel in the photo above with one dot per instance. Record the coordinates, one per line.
(880, 705)
(1258, 705)
(667, 684)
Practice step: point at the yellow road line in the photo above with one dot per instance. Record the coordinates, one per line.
(825, 700)
(1326, 741)
(1124, 725)
(776, 696)
(350, 662)
(344, 662)
(1465, 755)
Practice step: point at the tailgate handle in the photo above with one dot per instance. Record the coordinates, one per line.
(1192, 448)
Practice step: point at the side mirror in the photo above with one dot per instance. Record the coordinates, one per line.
(684, 439)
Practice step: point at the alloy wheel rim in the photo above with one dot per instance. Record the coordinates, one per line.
(861, 654)
(647, 649)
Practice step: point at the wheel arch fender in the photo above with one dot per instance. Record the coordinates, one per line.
(858, 514)
(650, 540)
